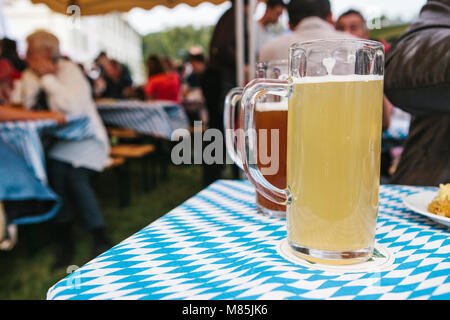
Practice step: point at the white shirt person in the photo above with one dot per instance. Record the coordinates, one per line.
(263, 34)
(71, 163)
(68, 91)
(310, 28)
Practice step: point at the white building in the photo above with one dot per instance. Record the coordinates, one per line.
(81, 38)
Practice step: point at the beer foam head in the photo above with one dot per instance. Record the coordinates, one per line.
(339, 78)
(272, 106)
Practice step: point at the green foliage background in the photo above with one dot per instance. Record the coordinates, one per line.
(390, 33)
(175, 42)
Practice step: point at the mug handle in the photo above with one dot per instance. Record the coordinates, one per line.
(247, 137)
(232, 99)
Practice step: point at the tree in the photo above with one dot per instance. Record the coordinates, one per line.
(175, 42)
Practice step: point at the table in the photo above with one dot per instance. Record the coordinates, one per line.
(157, 118)
(215, 246)
(24, 137)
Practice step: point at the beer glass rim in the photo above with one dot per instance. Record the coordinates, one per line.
(362, 42)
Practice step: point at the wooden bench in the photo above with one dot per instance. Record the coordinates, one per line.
(123, 133)
(138, 151)
(132, 151)
(118, 164)
(115, 162)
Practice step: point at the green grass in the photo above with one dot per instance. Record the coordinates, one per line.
(25, 272)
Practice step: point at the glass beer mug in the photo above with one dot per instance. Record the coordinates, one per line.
(335, 93)
(271, 114)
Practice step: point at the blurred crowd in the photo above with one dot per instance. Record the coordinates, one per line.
(417, 77)
(45, 84)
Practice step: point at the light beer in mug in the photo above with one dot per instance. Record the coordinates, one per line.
(335, 105)
(334, 136)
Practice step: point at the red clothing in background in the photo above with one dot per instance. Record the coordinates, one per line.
(386, 45)
(7, 75)
(164, 86)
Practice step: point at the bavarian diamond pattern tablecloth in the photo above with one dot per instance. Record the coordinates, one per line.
(215, 246)
(157, 118)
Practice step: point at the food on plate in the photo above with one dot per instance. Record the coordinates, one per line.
(441, 203)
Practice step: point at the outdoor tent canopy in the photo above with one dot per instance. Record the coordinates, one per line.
(92, 7)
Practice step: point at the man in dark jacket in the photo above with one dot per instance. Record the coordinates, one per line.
(220, 77)
(418, 81)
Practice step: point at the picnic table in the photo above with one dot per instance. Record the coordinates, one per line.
(154, 118)
(215, 246)
(24, 137)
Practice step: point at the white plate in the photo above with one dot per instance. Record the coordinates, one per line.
(418, 202)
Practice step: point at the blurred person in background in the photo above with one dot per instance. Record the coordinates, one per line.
(197, 61)
(10, 69)
(220, 77)
(308, 20)
(274, 10)
(352, 21)
(193, 100)
(88, 78)
(172, 68)
(59, 85)
(161, 85)
(9, 52)
(417, 79)
(169, 65)
(6, 79)
(115, 80)
(180, 69)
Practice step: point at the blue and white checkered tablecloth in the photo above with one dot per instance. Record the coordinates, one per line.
(24, 137)
(157, 118)
(215, 246)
